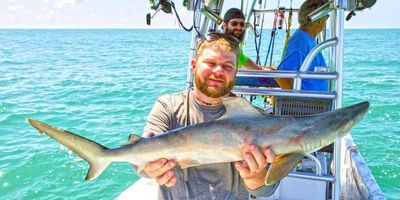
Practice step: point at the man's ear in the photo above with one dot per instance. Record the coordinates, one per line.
(224, 26)
(193, 63)
(321, 21)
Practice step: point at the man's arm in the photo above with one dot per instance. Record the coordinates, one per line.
(158, 121)
(292, 62)
(159, 118)
(251, 65)
(247, 63)
(285, 83)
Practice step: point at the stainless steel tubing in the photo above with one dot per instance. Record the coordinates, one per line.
(310, 57)
(312, 177)
(287, 74)
(320, 12)
(285, 93)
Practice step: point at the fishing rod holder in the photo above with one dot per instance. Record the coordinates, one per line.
(164, 5)
(322, 11)
(348, 5)
(358, 5)
(211, 14)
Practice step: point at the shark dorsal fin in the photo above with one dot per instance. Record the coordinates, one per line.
(132, 139)
(239, 107)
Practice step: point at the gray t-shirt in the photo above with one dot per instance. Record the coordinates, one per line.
(212, 181)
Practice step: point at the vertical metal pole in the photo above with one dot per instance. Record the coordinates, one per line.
(333, 51)
(339, 54)
(339, 88)
(193, 43)
(332, 54)
(248, 17)
(217, 8)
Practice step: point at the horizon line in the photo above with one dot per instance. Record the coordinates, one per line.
(164, 28)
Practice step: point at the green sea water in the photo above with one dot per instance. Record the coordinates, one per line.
(102, 84)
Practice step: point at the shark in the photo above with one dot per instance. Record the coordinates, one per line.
(221, 140)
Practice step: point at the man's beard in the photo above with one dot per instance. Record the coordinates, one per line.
(212, 91)
(237, 34)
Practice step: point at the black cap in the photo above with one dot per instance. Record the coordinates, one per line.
(232, 14)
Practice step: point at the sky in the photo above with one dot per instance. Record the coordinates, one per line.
(132, 14)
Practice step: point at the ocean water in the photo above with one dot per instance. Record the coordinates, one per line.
(101, 84)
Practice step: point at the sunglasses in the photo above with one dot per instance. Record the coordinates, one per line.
(213, 36)
(235, 23)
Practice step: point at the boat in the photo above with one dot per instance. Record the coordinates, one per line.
(338, 172)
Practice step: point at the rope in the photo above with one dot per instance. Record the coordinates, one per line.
(272, 49)
(272, 40)
(288, 33)
(258, 45)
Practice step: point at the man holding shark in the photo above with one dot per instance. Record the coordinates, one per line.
(221, 144)
(214, 69)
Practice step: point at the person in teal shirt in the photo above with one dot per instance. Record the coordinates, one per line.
(300, 45)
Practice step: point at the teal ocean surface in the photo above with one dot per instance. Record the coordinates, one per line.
(102, 84)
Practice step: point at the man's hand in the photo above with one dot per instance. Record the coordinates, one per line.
(252, 169)
(162, 171)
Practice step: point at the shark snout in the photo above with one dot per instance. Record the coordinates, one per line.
(357, 111)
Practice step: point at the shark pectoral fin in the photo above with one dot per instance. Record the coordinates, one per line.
(282, 167)
(188, 163)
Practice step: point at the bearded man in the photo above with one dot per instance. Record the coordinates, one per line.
(234, 25)
(214, 69)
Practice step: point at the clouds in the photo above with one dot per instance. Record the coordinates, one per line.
(16, 7)
(63, 3)
(132, 14)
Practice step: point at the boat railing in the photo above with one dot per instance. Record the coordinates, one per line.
(310, 57)
(311, 176)
(258, 11)
(334, 73)
(317, 97)
(284, 93)
(287, 74)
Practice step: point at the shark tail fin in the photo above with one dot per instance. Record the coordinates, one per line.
(94, 153)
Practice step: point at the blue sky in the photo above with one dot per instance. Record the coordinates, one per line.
(131, 14)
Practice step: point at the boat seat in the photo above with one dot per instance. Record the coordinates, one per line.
(301, 106)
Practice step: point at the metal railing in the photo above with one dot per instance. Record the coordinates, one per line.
(337, 28)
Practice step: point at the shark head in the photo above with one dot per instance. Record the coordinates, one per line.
(313, 133)
(342, 120)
